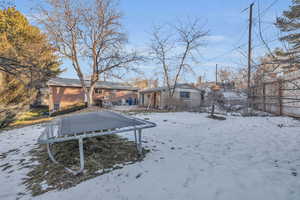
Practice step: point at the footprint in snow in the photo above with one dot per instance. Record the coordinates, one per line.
(138, 175)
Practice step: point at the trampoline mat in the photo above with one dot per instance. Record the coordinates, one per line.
(95, 121)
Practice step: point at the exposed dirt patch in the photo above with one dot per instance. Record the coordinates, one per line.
(216, 117)
(102, 155)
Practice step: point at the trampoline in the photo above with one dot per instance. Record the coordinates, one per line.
(92, 124)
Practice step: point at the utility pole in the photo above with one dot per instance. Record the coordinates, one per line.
(250, 50)
(216, 74)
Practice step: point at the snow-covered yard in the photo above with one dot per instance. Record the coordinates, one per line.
(192, 157)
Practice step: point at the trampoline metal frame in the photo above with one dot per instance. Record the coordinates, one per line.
(49, 138)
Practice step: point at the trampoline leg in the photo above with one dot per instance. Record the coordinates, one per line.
(50, 154)
(81, 155)
(81, 158)
(135, 138)
(140, 149)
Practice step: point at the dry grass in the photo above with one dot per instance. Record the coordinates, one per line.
(30, 122)
(19, 118)
(102, 155)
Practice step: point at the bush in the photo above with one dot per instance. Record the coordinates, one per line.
(69, 110)
(33, 113)
(6, 117)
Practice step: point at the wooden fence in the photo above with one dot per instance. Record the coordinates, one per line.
(281, 97)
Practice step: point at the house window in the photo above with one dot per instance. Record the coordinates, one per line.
(56, 106)
(185, 95)
(98, 91)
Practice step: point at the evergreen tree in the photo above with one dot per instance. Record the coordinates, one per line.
(36, 58)
(289, 23)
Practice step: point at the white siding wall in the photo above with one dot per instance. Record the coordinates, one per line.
(193, 101)
(162, 100)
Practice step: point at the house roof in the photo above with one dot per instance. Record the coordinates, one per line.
(67, 82)
(182, 86)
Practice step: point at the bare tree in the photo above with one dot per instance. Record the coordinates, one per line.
(225, 75)
(88, 31)
(175, 49)
(240, 78)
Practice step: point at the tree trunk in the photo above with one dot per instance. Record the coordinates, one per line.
(90, 95)
(38, 98)
(90, 98)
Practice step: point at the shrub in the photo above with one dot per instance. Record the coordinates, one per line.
(6, 117)
(69, 109)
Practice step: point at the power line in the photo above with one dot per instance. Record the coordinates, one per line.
(238, 47)
(268, 8)
(262, 13)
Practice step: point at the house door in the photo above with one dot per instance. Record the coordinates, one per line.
(154, 99)
(143, 99)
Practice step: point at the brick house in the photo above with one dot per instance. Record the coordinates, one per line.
(64, 92)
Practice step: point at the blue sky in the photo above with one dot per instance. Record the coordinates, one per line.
(224, 19)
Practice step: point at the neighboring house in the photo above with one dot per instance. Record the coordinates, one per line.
(234, 99)
(65, 92)
(185, 95)
(205, 85)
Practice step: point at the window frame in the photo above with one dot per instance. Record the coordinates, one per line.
(184, 95)
(96, 90)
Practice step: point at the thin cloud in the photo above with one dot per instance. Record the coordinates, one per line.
(215, 38)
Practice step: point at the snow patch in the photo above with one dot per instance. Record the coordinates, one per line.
(192, 157)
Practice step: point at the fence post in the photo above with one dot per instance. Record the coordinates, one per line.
(280, 96)
(264, 97)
